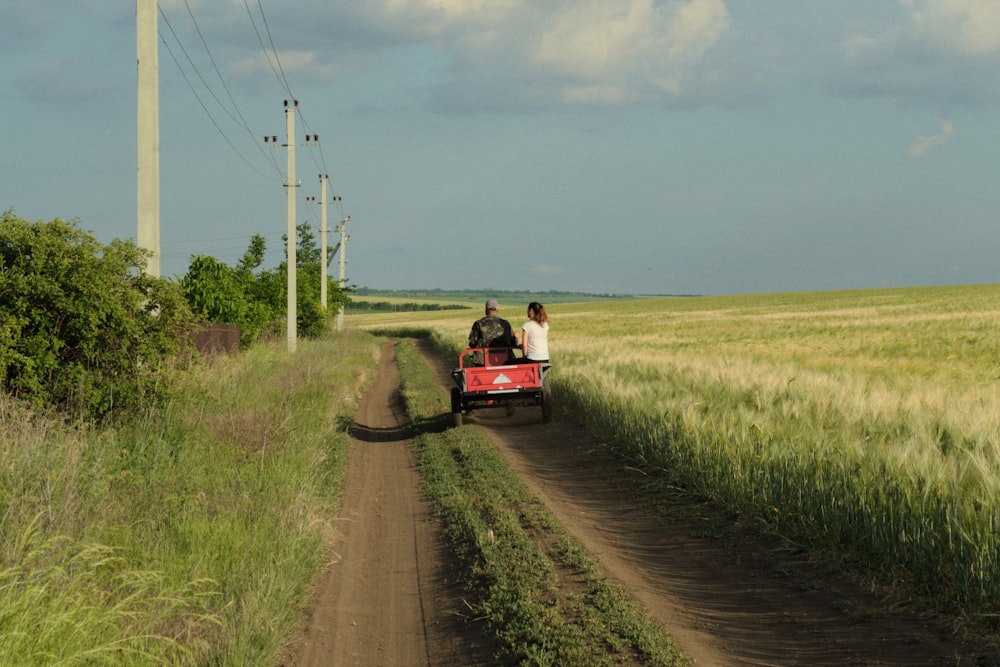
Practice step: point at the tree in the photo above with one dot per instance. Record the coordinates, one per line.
(255, 301)
(311, 319)
(217, 292)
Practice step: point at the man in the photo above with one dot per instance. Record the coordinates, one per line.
(491, 331)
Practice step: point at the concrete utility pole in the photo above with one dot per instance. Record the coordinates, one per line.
(344, 238)
(291, 325)
(148, 134)
(323, 178)
(326, 279)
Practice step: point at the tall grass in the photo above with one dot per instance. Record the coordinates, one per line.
(190, 536)
(868, 420)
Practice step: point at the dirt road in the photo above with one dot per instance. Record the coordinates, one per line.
(388, 597)
(728, 596)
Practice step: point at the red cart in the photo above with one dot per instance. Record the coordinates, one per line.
(502, 382)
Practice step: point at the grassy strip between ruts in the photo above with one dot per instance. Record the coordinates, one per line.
(537, 588)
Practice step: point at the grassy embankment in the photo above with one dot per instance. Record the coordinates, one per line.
(535, 587)
(867, 422)
(189, 538)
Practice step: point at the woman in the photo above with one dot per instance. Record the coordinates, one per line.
(535, 334)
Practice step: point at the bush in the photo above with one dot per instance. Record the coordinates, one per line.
(312, 320)
(256, 302)
(219, 293)
(82, 328)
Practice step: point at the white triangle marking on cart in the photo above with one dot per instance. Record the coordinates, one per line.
(501, 379)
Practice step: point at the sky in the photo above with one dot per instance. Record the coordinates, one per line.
(602, 146)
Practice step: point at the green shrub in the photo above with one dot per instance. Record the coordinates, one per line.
(219, 293)
(256, 302)
(82, 328)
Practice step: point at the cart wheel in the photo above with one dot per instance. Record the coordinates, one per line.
(456, 406)
(546, 404)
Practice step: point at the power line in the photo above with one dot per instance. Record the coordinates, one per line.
(242, 121)
(273, 59)
(270, 38)
(267, 55)
(242, 237)
(208, 113)
(236, 107)
(279, 72)
(232, 109)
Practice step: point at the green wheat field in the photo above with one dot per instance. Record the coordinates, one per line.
(863, 421)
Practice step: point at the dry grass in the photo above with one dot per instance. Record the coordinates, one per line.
(189, 537)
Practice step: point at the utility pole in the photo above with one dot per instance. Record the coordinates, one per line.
(148, 133)
(344, 238)
(312, 200)
(291, 324)
(323, 178)
(323, 243)
(326, 279)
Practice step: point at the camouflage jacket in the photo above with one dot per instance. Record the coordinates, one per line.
(491, 331)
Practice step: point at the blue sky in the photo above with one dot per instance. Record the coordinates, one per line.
(632, 146)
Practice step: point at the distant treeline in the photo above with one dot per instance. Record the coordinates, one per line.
(479, 295)
(386, 307)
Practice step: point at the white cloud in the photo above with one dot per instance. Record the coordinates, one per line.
(922, 144)
(587, 52)
(934, 53)
(695, 27)
(605, 47)
(964, 27)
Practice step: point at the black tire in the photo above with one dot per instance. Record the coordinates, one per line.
(546, 404)
(456, 406)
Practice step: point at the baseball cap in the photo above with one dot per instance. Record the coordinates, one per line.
(491, 304)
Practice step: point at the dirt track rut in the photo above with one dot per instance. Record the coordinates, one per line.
(388, 597)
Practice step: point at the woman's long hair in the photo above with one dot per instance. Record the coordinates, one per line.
(538, 311)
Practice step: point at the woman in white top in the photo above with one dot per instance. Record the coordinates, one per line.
(535, 334)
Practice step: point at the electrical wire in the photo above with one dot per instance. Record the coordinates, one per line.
(273, 59)
(241, 120)
(267, 54)
(276, 68)
(201, 102)
(270, 38)
(274, 62)
(204, 108)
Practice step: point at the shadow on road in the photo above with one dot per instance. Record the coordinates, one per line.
(374, 434)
